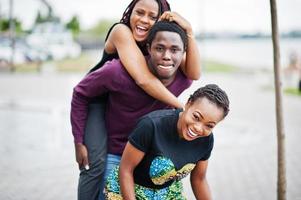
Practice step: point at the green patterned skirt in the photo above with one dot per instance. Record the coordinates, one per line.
(173, 192)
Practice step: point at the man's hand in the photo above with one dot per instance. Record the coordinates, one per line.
(81, 154)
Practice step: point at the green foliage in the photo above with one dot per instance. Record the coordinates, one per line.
(74, 25)
(39, 18)
(4, 25)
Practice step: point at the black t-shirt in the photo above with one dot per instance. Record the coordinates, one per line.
(167, 156)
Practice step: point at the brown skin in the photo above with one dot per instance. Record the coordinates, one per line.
(192, 56)
(143, 17)
(123, 40)
(166, 53)
(199, 182)
(131, 157)
(201, 116)
(81, 154)
(198, 120)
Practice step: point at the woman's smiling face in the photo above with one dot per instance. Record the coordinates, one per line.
(143, 17)
(199, 119)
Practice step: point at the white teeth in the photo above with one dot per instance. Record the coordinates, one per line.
(191, 133)
(165, 67)
(142, 28)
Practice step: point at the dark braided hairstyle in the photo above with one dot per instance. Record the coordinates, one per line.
(163, 6)
(214, 94)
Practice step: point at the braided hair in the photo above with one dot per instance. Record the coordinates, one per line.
(163, 6)
(214, 94)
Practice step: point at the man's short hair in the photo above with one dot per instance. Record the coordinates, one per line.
(166, 26)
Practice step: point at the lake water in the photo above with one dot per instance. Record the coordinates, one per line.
(248, 53)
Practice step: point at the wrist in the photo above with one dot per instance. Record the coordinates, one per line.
(190, 35)
(179, 105)
(189, 30)
(78, 144)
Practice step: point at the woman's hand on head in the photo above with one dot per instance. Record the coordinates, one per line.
(191, 63)
(176, 17)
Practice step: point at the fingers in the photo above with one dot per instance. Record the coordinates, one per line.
(175, 17)
(80, 163)
(82, 156)
(172, 16)
(167, 16)
(83, 162)
(86, 163)
(79, 160)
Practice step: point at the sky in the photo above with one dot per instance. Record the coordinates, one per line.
(204, 15)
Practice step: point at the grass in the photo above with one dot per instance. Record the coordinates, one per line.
(80, 64)
(84, 63)
(28, 67)
(292, 91)
(286, 91)
(211, 66)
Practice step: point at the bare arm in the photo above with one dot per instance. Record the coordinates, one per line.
(191, 63)
(130, 159)
(122, 40)
(199, 182)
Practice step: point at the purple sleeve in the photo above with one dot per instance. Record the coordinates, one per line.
(181, 83)
(94, 84)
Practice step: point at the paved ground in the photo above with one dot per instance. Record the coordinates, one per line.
(37, 150)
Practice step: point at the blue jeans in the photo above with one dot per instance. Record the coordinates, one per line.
(112, 162)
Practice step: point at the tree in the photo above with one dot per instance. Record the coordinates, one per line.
(74, 25)
(4, 25)
(281, 175)
(12, 35)
(39, 18)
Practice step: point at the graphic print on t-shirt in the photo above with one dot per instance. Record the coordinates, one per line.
(163, 170)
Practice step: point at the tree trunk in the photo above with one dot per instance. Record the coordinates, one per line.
(281, 173)
(12, 35)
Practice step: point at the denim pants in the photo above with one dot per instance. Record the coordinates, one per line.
(95, 139)
(112, 162)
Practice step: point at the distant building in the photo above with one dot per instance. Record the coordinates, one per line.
(54, 38)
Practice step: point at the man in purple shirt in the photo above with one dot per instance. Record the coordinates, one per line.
(126, 101)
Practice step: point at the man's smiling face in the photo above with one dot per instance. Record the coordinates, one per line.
(166, 53)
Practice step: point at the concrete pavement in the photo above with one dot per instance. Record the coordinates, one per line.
(37, 149)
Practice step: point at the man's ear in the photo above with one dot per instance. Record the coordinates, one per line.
(148, 46)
